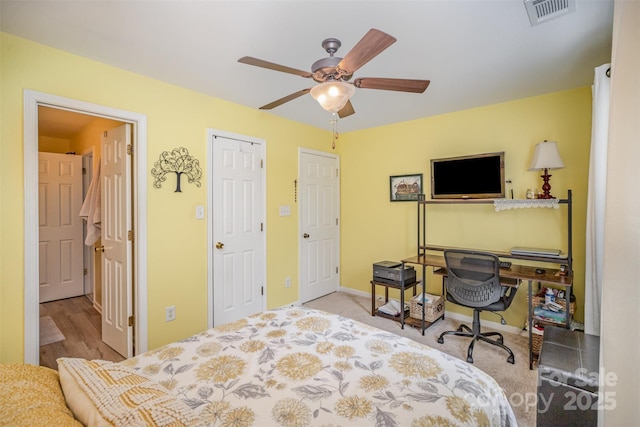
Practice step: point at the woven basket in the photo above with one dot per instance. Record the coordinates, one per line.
(432, 310)
(538, 300)
(536, 343)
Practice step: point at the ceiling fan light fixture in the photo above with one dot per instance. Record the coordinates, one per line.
(333, 95)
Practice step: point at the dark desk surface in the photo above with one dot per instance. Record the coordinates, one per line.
(551, 276)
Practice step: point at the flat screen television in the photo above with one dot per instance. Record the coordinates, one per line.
(479, 176)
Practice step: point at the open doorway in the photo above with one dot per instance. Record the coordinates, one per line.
(71, 142)
(69, 265)
(32, 102)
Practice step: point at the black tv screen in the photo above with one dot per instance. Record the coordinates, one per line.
(479, 176)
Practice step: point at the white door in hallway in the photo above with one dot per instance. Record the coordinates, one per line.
(237, 221)
(319, 224)
(60, 228)
(116, 216)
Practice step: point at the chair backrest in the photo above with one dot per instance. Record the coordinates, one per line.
(473, 277)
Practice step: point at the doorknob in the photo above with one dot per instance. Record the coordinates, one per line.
(99, 249)
(305, 235)
(219, 245)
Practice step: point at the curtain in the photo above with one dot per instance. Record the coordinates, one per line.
(596, 200)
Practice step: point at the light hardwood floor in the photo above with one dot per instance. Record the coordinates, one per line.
(81, 326)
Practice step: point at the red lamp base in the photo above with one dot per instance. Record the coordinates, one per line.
(546, 187)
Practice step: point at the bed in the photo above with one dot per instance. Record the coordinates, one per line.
(286, 367)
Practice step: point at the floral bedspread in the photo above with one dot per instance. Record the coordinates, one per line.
(303, 367)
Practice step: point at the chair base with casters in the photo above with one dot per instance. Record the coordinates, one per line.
(473, 280)
(475, 333)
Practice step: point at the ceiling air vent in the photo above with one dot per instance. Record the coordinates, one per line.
(545, 10)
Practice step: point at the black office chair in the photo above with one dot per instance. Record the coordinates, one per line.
(473, 280)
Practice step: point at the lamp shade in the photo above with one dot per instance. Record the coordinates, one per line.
(333, 95)
(546, 156)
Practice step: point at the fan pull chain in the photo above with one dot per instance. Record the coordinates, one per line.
(334, 130)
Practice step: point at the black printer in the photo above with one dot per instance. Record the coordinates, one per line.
(391, 272)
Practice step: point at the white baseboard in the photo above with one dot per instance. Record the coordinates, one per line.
(354, 292)
(340, 289)
(293, 304)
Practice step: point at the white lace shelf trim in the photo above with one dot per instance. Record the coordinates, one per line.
(504, 204)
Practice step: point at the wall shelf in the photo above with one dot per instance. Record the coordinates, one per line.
(564, 258)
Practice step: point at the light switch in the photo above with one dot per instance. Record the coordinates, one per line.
(285, 210)
(199, 212)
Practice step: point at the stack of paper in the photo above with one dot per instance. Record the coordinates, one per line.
(424, 298)
(392, 308)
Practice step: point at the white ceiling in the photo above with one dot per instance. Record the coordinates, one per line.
(475, 53)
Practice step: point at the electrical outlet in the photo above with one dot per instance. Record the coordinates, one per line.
(170, 313)
(287, 282)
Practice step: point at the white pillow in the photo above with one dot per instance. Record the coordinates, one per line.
(101, 393)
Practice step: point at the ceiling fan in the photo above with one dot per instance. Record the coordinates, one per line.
(333, 74)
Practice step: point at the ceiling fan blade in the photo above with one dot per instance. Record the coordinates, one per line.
(400, 85)
(287, 98)
(374, 42)
(346, 111)
(271, 66)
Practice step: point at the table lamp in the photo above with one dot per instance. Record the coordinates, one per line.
(545, 157)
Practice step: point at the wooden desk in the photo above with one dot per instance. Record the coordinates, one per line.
(551, 277)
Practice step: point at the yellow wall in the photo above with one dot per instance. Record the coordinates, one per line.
(88, 138)
(375, 229)
(50, 144)
(177, 241)
(372, 228)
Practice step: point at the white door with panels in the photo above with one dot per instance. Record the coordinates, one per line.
(237, 221)
(60, 228)
(117, 241)
(319, 224)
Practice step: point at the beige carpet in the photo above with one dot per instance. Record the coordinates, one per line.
(49, 332)
(518, 382)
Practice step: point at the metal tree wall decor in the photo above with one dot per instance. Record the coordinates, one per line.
(177, 161)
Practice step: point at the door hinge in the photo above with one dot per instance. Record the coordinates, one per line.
(261, 290)
(129, 149)
(336, 269)
(336, 173)
(336, 221)
(85, 271)
(132, 320)
(84, 171)
(106, 132)
(130, 235)
(261, 226)
(261, 164)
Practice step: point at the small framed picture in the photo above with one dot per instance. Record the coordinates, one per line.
(404, 188)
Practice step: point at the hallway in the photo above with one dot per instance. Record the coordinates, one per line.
(81, 326)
